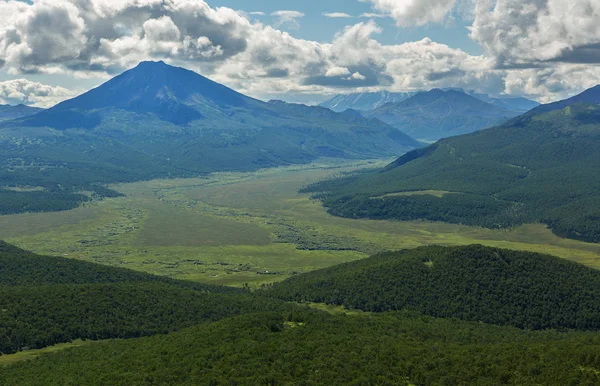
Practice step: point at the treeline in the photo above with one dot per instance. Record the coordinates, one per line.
(46, 300)
(534, 169)
(37, 317)
(465, 209)
(22, 268)
(308, 348)
(490, 285)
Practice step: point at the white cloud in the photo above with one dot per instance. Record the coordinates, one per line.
(414, 12)
(337, 15)
(99, 38)
(257, 13)
(23, 91)
(372, 15)
(287, 17)
(519, 33)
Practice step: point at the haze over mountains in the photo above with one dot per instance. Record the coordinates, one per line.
(440, 114)
(158, 121)
(543, 166)
(435, 114)
(365, 101)
(11, 112)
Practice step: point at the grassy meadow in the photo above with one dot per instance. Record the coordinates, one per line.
(254, 228)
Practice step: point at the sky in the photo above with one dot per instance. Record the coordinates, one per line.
(304, 51)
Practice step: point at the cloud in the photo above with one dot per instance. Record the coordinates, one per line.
(521, 34)
(99, 38)
(372, 15)
(257, 13)
(287, 17)
(414, 12)
(337, 15)
(22, 91)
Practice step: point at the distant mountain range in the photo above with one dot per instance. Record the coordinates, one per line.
(365, 101)
(543, 166)
(11, 112)
(368, 101)
(159, 121)
(440, 114)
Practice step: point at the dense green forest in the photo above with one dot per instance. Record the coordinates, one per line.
(491, 285)
(37, 317)
(307, 348)
(186, 333)
(535, 168)
(47, 300)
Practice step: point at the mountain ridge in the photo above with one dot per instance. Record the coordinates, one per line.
(541, 167)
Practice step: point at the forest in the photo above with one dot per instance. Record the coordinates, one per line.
(48, 300)
(312, 347)
(537, 168)
(476, 283)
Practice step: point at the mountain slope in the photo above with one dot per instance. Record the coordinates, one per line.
(157, 121)
(11, 112)
(535, 168)
(491, 285)
(365, 101)
(439, 114)
(47, 300)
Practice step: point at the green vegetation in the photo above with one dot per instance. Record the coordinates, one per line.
(158, 121)
(276, 229)
(476, 283)
(318, 348)
(48, 300)
(540, 168)
(37, 317)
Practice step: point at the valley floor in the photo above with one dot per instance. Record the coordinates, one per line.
(247, 228)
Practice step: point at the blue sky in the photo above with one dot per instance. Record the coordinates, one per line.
(315, 26)
(544, 50)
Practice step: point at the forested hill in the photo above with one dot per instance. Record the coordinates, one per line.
(22, 268)
(48, 300)
(476, 283)
(535, 168)
(160, 121)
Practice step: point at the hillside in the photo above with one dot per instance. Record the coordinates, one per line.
(495, 286)
(158, 121)
(48, 300)
(440, 114)
(535, 168)
(11, 112)
(315, 348)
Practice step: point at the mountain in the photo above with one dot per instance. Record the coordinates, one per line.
(476, 283)
(590, 96)
(440, 114)
(157, 121)
(18, 111)
(369, 101)
(540, 167)
(365, 101)
(521, 105)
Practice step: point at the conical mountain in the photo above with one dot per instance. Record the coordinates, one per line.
(541, 167)
(157, 120)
